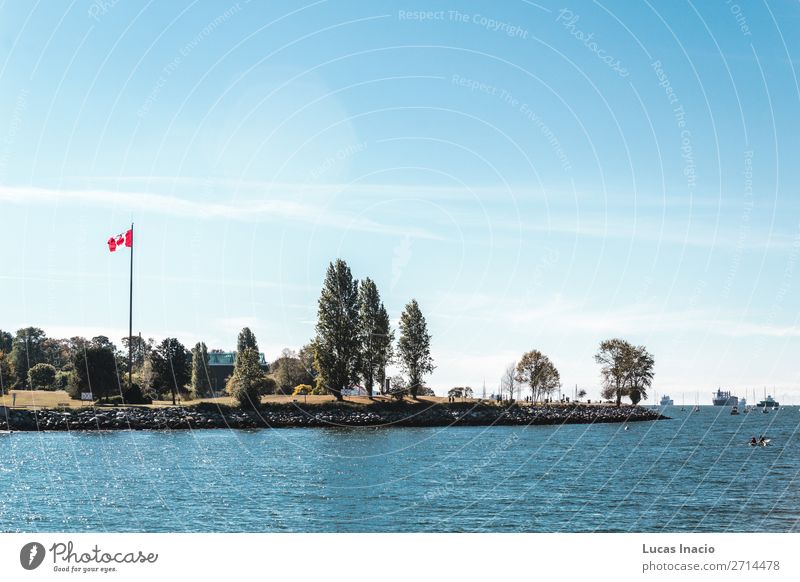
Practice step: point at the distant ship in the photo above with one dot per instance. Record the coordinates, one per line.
(666, 401)
(768, 402)
(724, 398)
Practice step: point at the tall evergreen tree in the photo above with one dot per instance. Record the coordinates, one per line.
(414, 347)
(336, 346)
(374, 334)
(247, 340)
(201, 381)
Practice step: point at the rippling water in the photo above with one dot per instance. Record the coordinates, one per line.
(692, 473)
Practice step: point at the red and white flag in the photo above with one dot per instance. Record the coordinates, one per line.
(120, 241)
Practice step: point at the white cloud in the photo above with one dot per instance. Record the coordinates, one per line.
(244, 210)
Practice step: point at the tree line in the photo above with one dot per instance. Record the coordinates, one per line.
(354, 343)
(626, 370)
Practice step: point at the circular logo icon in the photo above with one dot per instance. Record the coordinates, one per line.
(31, 555)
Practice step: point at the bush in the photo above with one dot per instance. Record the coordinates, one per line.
(302, 390)
(133, 395)
(42, 377)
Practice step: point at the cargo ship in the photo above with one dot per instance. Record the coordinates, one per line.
(724, 398)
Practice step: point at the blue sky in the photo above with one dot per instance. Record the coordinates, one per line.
(536, 175)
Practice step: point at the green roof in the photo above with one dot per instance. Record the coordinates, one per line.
(229, 359)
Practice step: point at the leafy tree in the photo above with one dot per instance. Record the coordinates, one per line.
(306, 357)
(508, 381)
(374, 334)
(171, 364)
(414, 347)
(201, 381)
(6, 342)
(248, 381)
(147, 378)
(247, 340)
(140, 348)
(95, 371)
(614, 356)
(336, 346)
(56, 352)
(639, 365)
(537, 371)
(27, 351)
(5, 372)
(42, 377)
(102, 341)
(288, 372)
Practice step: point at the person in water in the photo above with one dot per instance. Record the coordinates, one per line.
(762, 440)
(753, 441)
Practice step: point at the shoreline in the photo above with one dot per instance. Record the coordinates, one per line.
(332, 415)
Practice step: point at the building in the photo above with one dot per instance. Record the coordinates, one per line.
(221, 364)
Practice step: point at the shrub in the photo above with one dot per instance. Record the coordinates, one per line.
(133, 395)
(302, 390)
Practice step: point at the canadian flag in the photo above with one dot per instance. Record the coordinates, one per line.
(120, 241)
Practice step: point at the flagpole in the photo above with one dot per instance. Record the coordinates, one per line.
(130, 319)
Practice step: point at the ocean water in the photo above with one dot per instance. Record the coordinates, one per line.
(692, 473)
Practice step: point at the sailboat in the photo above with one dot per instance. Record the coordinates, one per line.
(683, 401)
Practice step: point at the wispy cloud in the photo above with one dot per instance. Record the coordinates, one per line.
(639, 319)
(243, 210)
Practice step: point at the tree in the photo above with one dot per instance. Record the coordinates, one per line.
(42, 377)
(414, 346)
(247, 340)
(139, 348)
(374, 334)
(6, 342)
(508, 382)
(5, 372)
(613, 356)
(306, 357)
(56, 352)
(172, 366)
(27, 351)
(102, 341)
(95, 371)
(639, 366)
(336, 346)
(537, 371)
(288, 371)
(201, 382)
(248, 381)
(148, 379)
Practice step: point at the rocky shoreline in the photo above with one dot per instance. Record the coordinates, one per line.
(207, 416)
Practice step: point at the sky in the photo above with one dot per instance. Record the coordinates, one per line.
(537, 175)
